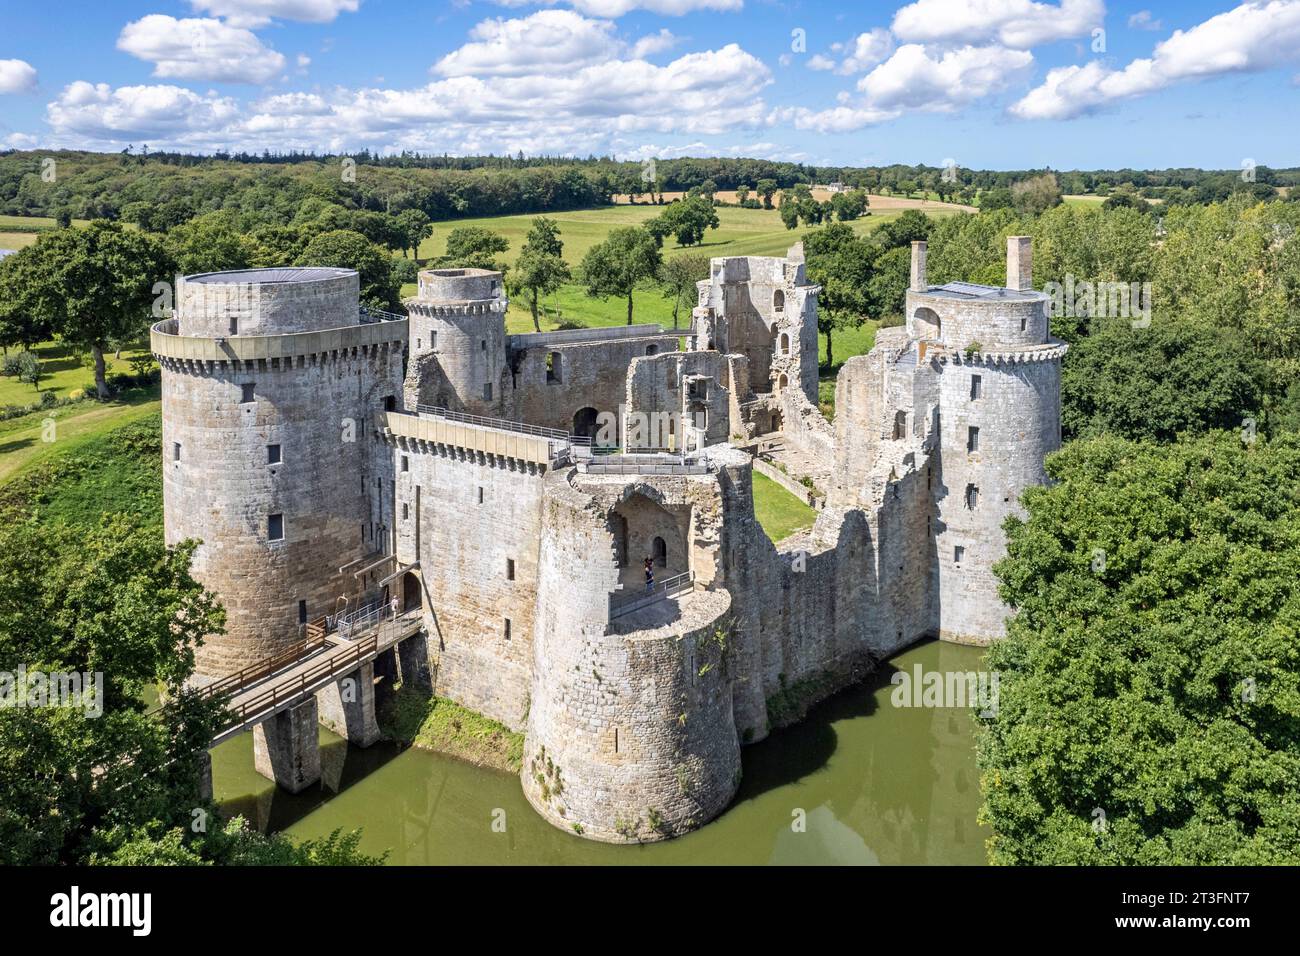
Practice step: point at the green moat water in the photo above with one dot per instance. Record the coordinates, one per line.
(879, 784)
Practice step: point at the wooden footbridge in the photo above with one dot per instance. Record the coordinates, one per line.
(263, 690)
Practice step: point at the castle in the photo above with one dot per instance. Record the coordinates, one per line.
(328, 458)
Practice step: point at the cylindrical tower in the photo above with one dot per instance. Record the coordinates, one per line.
(271, 458)
(458, 341)
(999, 402)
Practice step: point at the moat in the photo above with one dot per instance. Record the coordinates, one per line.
(879, 785)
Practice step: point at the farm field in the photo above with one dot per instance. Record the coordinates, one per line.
(63, 372)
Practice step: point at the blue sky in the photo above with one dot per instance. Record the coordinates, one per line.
(986, 83)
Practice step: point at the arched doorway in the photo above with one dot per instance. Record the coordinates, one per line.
(411, 598)
(584, 422)
(660, 552)
(927, 324)
(652, 350)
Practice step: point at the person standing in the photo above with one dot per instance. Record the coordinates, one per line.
(649, 575)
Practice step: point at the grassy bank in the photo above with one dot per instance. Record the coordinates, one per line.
(435, 723)
(780, 513)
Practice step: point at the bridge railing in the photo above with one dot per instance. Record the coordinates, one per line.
(560, 440)
(233, 683)
(667, 588)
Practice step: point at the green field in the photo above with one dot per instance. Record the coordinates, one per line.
(64, 372)
(780, 513)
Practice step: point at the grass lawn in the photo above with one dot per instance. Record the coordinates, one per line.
(1083, 200)
(780, 513)
(63, 372)
(741, 232)
(22, 444)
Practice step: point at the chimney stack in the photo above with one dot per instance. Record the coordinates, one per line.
(1020, 263)
(918, 267)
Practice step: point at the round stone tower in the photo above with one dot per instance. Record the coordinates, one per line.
(999, 415)
(270, 386)
(458, 341)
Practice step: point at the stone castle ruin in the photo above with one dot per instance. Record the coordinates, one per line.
(507, 490)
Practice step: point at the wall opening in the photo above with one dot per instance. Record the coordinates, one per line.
(584, 422)
(411, 599)
(778, 300)
(652, 350)
(660, 552)
(785, 343)
(554, 368)
(900, 425)
(928, 324)
(976, 387)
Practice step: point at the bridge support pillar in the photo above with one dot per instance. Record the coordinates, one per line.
(413, 658)
(286, 747)
(347, 706)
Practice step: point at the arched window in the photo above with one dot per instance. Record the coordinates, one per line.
(785, 343)
(652, 350)
(782, 382)
(778, 300)
(900, 425)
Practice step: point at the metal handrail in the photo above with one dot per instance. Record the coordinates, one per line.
(501, 424)
(674, 585)
(233, 683)
(367, 316)
(349, 622)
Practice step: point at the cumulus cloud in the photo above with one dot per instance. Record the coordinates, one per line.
(821, 63)
(1019, 24)
(841, 119)
(914, 79)
(546, 41)
(17, 76)
(1142, 20)
(617, 8)
(1255, 36)
(256, 13)
(579, 110)
(200, 49)
(868, 50)
(100, 113)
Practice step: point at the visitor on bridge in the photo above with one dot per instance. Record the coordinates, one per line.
(649, 575)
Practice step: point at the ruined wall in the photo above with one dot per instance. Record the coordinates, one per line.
(660, 386)
(472, 514)
(587, 374)
(630, 734)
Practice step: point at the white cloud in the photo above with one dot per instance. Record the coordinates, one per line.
(841, 119)
(588, 108)
(17, 76)
(1142, 20)
(868, 50)
(547, 40)
(256, 13)
(617, 8)
(99, 113)
(200, 49)
(1019, 24)
(1254, 36)
(653, 43)
(819, 62)
(913, 79)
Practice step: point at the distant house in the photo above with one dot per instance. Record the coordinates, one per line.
(836, 187)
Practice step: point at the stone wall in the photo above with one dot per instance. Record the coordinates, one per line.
(466, 517)
(267, 301)
(220, 487)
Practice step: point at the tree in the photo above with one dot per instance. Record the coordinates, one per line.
(93, 285)
(842, 264)
(540, 268)
(687, 220)
(679, 276)
(767, 189)
(210, 243)
(472, 247)
(742, 195)
(23, 321)
(1147, 684)
(415, 227)
(29, 369)
(1154, 383)
(351, 250)
(1034, 196)
(850, 205)
(627, 258)
(113, 601)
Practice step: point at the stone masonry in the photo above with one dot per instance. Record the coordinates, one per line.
(468, 488)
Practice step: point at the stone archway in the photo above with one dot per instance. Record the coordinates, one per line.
(927, 324)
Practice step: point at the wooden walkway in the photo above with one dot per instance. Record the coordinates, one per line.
(263, 690)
